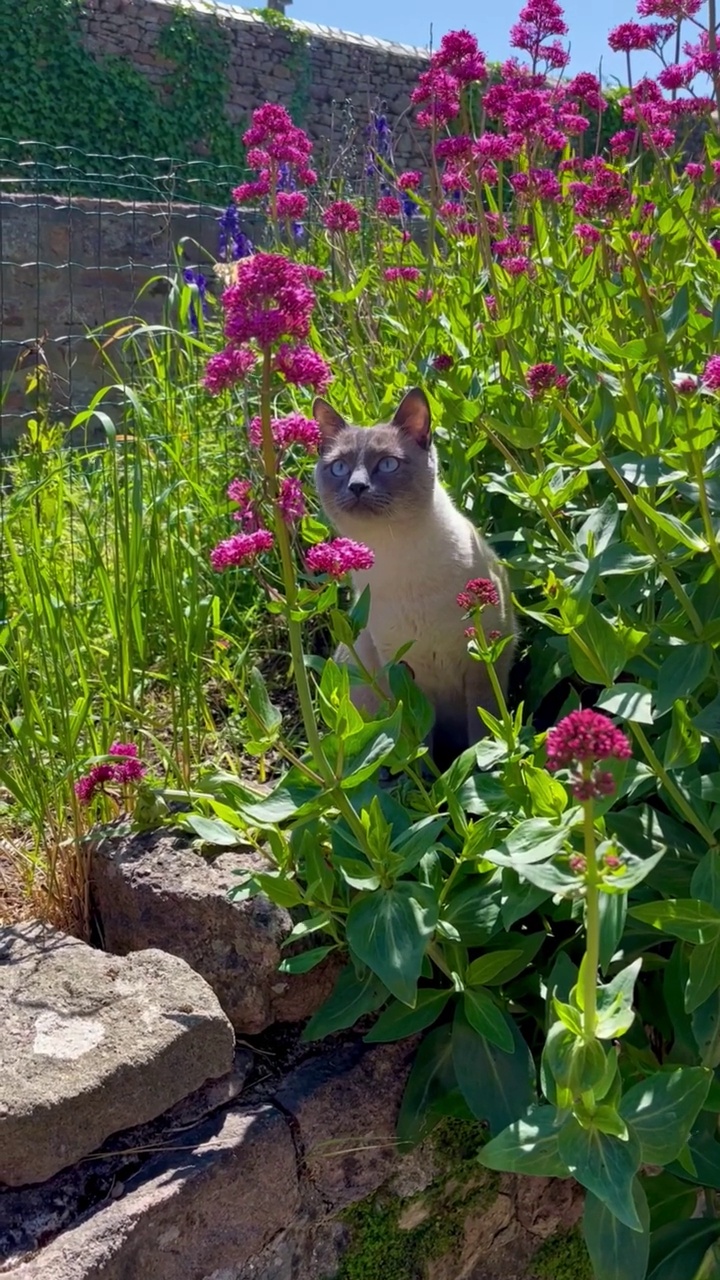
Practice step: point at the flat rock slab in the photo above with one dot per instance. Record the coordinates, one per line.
(93, 1043)
(154, 890)
(214, 1200)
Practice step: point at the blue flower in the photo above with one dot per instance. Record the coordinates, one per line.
(196, 279)
(230, 236)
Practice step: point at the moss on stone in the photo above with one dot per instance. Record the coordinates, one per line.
(381, 1249)
(562, 1257)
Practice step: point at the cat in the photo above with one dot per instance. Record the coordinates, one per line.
(380, 486)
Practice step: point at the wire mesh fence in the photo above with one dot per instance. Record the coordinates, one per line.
(86, 240)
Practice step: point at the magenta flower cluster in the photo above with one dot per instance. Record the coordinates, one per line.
(342, 216)
(544, 377)
(579, 742)
(295, 428)
(339, 557)
(270, 301)
(280, 153)
(478, 593)
(123, 769)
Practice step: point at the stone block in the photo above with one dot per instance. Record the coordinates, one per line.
(156, 891)
(201, 1209)
(92, 1043)
(345, 1105)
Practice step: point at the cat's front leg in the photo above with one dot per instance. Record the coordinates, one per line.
(363, 697)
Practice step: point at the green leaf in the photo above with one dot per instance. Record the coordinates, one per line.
(474, 912)
(573, 1063)
(627, 702)
(684, 743)
(705, 883)
(616, 1251)
(366, 749)
(601, 656)
(704, 974)
(398, 1021)
(675, 531)
(278, 887)
(483, 1014)
(485, 970)
(682, 669)
(351, 998)
(604, 1165)
(414, 843)
(266, 716)
(215, 831)
(669, 1199)
(677, 1250)
(389, 930)
(706, 1030)
(431, 1079)
(615, 1003)
(305, 961)
(663, 1109)
(295, 794)
(520, 898)
(497, 1086)
(613, 913)
(674, 319)
(529, 1146)
(681, 918)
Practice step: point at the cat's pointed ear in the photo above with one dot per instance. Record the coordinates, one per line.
(413, 416)
(328, 420)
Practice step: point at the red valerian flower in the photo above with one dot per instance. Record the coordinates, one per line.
(584, 737)
(711, 374)
(303, 367)
(478, 593)
(342, 216)
(338, 557)
(269, 300)
(227, 368)
(241, 549)
(125, 767)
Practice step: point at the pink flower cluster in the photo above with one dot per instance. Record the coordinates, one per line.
(458, 62)
(280, 153)
(389, 207)
(392, 274)
(542, 378)
(124, 769)
(339, 557)
(581, 740)
(227, 368)
(478, 593)
(342, 216)
(711, 374)
(241, 549)
(270, 300)
(539, 20)
(293, 429)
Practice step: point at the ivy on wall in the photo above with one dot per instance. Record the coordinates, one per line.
(55, 93)
(298, 63)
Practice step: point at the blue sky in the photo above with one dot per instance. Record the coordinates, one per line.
(412, 23)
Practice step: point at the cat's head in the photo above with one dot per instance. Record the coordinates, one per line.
(370, 473)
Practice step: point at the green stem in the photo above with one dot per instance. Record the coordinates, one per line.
(704, 505)
(592, 921)
(685, 808)
(302, 683)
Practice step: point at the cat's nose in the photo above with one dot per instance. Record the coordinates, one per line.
(358, 487)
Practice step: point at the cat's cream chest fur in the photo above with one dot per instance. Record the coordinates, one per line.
(420, 566)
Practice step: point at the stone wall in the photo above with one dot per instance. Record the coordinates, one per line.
(139, 1139)
(343, 68)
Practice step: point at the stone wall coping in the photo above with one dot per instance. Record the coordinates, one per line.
(236, 14)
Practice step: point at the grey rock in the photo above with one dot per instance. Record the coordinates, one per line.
(156, 891)
(93, 1043)
(345, 1105)
(203, 1208)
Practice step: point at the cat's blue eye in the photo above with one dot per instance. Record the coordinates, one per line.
(339, 468)
(388, 464)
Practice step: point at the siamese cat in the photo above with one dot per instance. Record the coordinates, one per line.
(380, 485)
